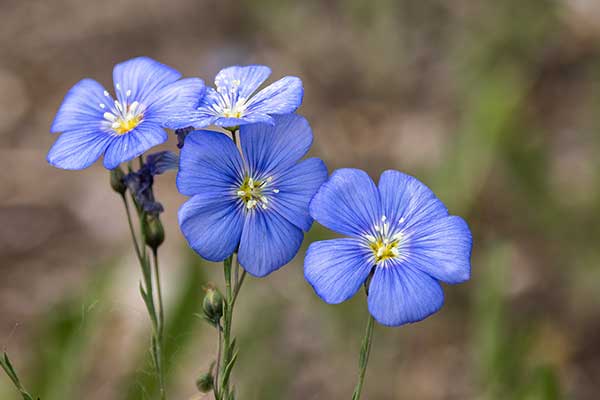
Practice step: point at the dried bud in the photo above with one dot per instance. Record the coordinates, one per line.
(154, 233)
(205, 382)
(212, 305)
(116, 180)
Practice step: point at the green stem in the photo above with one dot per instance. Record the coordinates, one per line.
(136, 246)
(238, 287)
(227, 317)
(363, 360)
(219, 347)
(148, 294)
(159, 337)
(161, 314)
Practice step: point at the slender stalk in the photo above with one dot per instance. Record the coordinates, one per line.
(365, 350)
(148, 295)
(219, 350)
(161, 313)
(136, 246)
(238, 287)
(227, 317)
(159, 331)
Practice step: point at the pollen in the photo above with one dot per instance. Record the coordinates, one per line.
(255, 193)
(123, 118)
(384, 241)
(122, 126)
(384, 249)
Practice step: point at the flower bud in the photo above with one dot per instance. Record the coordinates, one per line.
(212, 305)
(154, 234)
(116, 180)
(205, 382)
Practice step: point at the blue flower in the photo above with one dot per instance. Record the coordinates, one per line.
(256, 204)
(399, 232)
(234, 103)
(92, 123)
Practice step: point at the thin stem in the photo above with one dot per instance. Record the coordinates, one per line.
(238, 287)
(161, 314)
(365, 350)
(218, 366)
(227, 317)
(136, 246)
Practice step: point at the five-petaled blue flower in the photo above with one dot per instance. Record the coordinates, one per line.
(234, 103)
(92, 123)
(257, 203)
(400, 232)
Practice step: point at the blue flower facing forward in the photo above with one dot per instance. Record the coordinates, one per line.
(400, 232)
(234, 102)
(92, 123)
(257, 203)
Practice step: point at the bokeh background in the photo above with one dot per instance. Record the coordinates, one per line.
(494, 104)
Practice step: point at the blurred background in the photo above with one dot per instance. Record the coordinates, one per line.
(494, 104)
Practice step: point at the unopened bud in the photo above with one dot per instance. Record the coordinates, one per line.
(117, 180)
(154, 234)
(212, 305)
(205, 382)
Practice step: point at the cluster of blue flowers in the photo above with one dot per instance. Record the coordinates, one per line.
(258, 196)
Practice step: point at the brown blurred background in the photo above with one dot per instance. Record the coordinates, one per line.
(494, 104)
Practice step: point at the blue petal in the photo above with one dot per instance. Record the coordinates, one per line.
(347, 203)
(161, 162)
(81, 107)
(78, 149)
(129, 145)
(441, 248)
(209, 161)
(144, 77)
(281, 97)
(212, 225)
(172, 105)
(404, 197)
(243, 80)
(296, 187)
(337, 268)
(268, 242)
(204, 114)
(401, 295)
(245, 120)
(268, 149)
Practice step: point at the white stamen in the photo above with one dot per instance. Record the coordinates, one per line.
(106, 93)
(128, 92)
(110, 117)
(275, 190)
(102, 105)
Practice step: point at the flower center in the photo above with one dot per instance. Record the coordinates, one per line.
(230, 104)
(384, 243)
(123, 117)
(255, 192)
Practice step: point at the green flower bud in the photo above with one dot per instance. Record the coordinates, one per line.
(205, 382)
(116, 180)
(212, 305)
(154, 234)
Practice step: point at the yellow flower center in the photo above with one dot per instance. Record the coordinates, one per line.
(385, 243)
(122, 126)
(384, 249)
(253, 192)
(232, 113)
